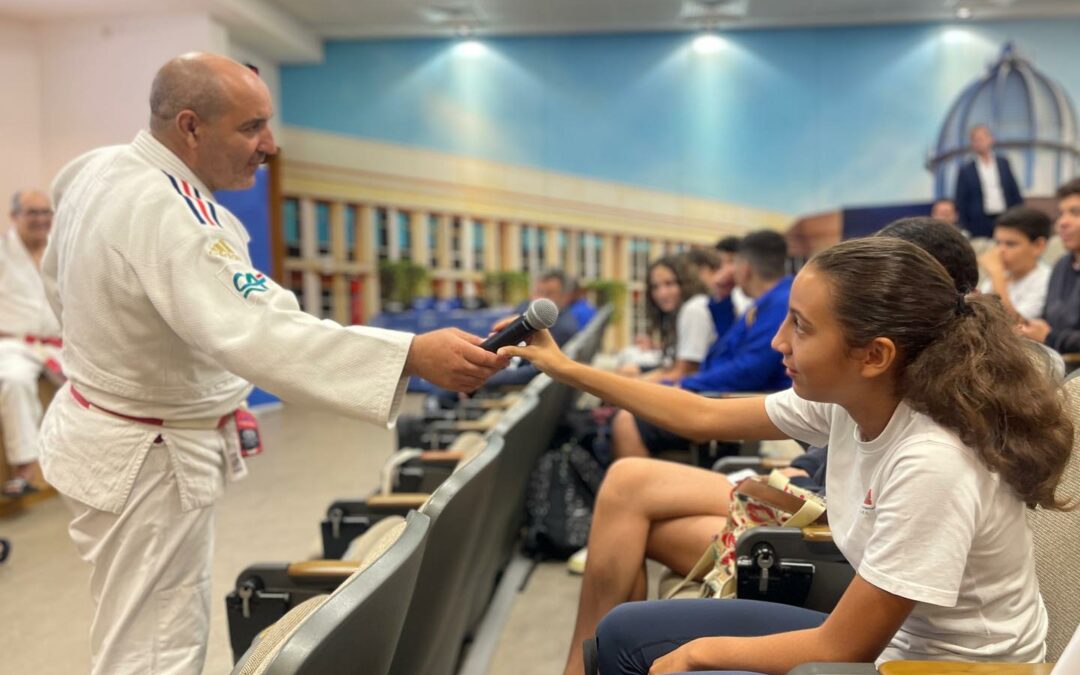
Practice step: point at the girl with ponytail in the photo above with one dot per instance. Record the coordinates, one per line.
(940, 429)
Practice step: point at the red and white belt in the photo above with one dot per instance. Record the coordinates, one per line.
(35, 339)
(193, 423)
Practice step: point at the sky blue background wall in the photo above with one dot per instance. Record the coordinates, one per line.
(795, 120)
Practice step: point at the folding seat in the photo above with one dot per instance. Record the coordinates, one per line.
(347, 519)
(354, 629)
(434, 622)
(526, 434)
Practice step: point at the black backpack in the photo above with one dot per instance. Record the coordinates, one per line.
(559, 501)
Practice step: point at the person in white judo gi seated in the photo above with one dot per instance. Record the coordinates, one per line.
(29, 336)
(165, 323)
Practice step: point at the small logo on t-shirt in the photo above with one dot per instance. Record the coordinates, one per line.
(868, 503)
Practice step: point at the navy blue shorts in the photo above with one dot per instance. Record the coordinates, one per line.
(635, 634)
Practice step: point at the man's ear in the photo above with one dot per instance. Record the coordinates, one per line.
(187, 122)
(877, 357)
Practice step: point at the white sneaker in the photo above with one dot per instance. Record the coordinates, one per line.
(576, 563)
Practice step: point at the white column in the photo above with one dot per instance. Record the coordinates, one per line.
(511, 247)
(573, 251)
(590, 271)
(309, 252)
(367, 254)
(491, 245)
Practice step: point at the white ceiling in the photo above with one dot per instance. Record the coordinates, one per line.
(414, 18)
(403, 18)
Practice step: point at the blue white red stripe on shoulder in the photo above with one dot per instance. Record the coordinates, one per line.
(202, 209)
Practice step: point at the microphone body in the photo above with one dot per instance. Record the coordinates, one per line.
(540, 314)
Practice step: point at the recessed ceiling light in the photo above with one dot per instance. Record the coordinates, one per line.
(708, 43)
(963, 12)
(470, 48)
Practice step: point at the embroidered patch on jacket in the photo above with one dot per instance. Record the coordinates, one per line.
(248, 283)
(202, 209)
(221, 249)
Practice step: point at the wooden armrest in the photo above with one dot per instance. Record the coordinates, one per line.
(941, 668)
(775, 463)
(442, 456)
(323, 569)
(490, 419)
(397, 500)
(504, 402)
(1071, 359)
(817, 533)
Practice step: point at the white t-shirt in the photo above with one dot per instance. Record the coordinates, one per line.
(694, 330)
(1028, 293)
(990, 179)
(917, 514)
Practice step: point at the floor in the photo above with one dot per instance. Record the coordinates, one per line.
(310, 459)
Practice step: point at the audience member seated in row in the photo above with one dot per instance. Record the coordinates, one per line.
(677, 311)
(944, 209)
(925, 501)
(717, 275)
(553, 285)
(675, 533)
(1014, 269)
(580, 307)
(742, 360)
(29, 335)
(727, 248)
(1059, 326)
(948, 246)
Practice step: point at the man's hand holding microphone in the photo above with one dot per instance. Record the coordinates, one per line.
(531, 328)
(455, 360)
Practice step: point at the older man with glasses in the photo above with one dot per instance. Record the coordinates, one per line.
(29, 335)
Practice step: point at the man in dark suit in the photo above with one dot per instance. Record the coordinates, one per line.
(985, 186)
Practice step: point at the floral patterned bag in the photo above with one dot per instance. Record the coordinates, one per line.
(754, 502)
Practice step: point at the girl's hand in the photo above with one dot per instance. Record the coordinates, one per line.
(541, 351)
(676, 661)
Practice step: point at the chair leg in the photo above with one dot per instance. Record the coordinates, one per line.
(588, 652)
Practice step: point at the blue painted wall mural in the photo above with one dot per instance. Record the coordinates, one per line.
(794, 120)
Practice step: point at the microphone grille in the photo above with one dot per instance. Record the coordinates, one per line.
(542, 313)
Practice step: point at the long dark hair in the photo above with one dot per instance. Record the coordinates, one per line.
(663, 323)
(959, 360)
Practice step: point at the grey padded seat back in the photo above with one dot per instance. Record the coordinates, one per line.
(356, 628)
(595, 333)
(1057, 545)
(522, 442)
(434, 625)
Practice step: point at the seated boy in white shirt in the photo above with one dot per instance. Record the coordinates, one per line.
(1014, 271)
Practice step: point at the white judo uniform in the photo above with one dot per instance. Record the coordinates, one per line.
(165, 318)
(27, 329)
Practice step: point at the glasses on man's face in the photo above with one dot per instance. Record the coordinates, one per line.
(38, 213)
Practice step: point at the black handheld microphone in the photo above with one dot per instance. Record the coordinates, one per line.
(541, 314)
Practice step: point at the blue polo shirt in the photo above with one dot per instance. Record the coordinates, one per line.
(743, 359)
(723, 315)
(582, 311)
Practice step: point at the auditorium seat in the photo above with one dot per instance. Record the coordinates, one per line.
(265, 592)
(358, 624)
(347, 519)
